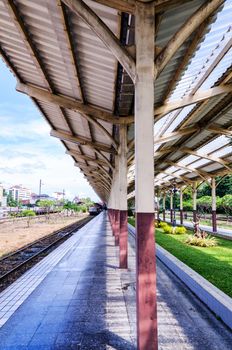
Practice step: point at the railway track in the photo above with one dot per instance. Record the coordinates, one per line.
(15, 264)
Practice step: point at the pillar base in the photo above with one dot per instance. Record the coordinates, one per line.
(146, 283)
(181, 217)
(195, 220)
(123, 240)
(214, 221)
(171, 215)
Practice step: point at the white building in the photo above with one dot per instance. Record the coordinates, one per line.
(18, 192)
(58, 195)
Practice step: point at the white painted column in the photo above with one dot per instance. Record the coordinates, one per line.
(195, 204)
(158, 206)
(171, 207)
(144, 177)
(123, 231)
(164, 205)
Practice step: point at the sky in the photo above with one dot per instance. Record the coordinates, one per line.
(27, 151)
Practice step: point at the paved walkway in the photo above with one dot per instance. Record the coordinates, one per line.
(85, 302)
(221, 232)
(79, 304)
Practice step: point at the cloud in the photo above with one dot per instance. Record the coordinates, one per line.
(27, 151)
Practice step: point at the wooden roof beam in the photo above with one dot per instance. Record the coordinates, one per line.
(197, 97)
(203, 174)
(96, 169)
(175, 176)
(219, 130)
(127, 6)
(104, 33)
(175, 134)
(185, 31)
(205, 156)
(87, 158)
(81, 141)
(188, 54)
(66, 102)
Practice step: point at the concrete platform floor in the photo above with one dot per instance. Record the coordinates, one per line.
(87, 303)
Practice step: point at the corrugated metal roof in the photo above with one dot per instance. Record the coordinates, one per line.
(48, 46)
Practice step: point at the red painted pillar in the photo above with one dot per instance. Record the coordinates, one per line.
(214, 206)
(146, 282)
(116, 226)
(171, 215)
(214, 220)
(195, 220)
(181, 217)
(194, 216)
(163, 214)
(123, 237)
(113, 221)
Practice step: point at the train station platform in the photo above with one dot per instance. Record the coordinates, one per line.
(78, 298)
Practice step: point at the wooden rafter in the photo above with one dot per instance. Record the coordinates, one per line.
(203, 174)
(88, 158)
(185, 31)
(197, 97)
(175, 134)
(219, 130)
(185, 60)
(81, 141)
(89, 168)
(182, 178)
(104, 33)
(208, 157)
(72, 104)
(127, 6)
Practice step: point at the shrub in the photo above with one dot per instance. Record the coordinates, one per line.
(27, 212)
(167, 229)
(180, 230)
(207, 241)
(162, 224)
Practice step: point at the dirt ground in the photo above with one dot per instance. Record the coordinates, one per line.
(16, 234)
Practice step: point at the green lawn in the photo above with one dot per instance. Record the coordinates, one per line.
(213, 263)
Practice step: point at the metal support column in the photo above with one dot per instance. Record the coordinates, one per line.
(144, 179)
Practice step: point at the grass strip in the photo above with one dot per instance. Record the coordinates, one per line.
(213, 263)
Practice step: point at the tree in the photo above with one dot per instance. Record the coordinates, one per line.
(47, 205)
(29, 214)
(225, 185)
(226, 203)
(11, 202)
(204, 204)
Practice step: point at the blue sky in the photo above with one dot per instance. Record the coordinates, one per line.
(27, 152)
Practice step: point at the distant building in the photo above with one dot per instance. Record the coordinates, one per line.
(58, 195)
(36, 197)
(77, 200)
(18, 192)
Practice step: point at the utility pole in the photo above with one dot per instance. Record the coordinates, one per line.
(40, 185)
